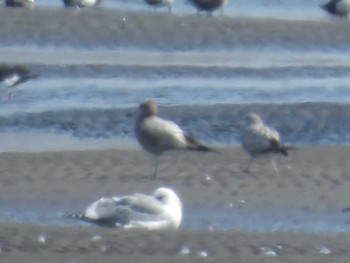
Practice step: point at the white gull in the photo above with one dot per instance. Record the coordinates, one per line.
(160, 210)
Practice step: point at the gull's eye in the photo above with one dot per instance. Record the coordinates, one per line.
(161, 197)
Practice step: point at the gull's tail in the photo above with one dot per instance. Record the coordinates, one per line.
(277, 147)
(79, 217)
(194, 145)
(108, 222)
(283, 149)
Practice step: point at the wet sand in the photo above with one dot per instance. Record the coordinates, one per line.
(27, 243)
(315, 177)
(312, 178)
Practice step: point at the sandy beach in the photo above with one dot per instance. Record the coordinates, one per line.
(312, 179)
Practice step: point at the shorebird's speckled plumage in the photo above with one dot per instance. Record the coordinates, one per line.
(259, 139)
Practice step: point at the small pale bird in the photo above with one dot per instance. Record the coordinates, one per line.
(81, 3)
(339, 8)
(20, 3)
(157, 135)
(160, 210)
(161, 3)
(208, 6)
(260, 139)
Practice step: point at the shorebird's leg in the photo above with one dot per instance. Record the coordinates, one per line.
(274, 165)
(169, 9)
(222, 11)
(157, 168)
(250, 163)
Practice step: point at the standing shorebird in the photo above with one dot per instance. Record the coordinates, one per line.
(81, 3)
(157, 135)
(259, 139)
(160, 210)
(161, 3)
(12, 76)
(339, 8)
(208, 6)
(20, 3)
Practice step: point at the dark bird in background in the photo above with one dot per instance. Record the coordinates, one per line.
(339, 8)
(19, 3)
(15, 75)
(208, 6)
(259, 139)
(81, 3)
(12, 76)
(161, 3)
(157, 135)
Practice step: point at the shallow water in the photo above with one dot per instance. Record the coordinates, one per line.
(96, 96)
(219, 68)
(211, 219)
